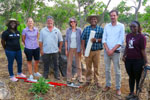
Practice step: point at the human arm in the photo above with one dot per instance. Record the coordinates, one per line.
(41, 48)
(3, 42)
(144, 56)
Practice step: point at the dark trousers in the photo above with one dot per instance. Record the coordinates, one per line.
(134, 69)
(48, 59)
(11, 56)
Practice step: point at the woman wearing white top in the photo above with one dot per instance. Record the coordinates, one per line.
(73, 48)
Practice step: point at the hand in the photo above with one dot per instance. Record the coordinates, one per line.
(123, 58)
(66, 52)
(83, 52)
(110, 52)
(41, 51)
(93, 40)
(59, 50)
(80, 54)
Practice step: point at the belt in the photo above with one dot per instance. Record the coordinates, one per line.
(117, 51)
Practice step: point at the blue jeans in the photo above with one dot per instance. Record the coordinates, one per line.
(11, 55)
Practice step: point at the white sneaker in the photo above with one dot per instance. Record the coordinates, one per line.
(37, 74)
(31, 79)
(13, 79)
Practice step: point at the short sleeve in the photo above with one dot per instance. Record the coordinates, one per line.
(23, 32)
(83, 34)
(4, 36)
(41, 36)
(60, 38)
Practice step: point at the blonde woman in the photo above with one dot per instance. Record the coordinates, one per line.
(32, 50)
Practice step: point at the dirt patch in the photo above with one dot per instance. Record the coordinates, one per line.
(19, 90)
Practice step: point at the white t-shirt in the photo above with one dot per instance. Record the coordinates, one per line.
(73, 43)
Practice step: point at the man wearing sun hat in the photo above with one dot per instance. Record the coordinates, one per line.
(94, 56)
(50, 37)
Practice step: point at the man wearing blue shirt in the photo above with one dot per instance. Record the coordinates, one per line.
(113, 38)
(94, 56)
(50, 37)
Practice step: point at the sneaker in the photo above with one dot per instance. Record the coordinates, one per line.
(21, 75)
(106, 89)
(31, 79)
(131, 95)
(13, 79)
(37, 74)
(118, 92)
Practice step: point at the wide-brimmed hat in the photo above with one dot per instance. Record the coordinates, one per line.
(93, 15)
(12, 20)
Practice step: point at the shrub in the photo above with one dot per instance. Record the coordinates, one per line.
(40, 87)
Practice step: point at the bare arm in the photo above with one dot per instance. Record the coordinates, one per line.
(60, 45)
(144, 55)
(41, 48)
(83, 46)
(23, 39)
(3, 43)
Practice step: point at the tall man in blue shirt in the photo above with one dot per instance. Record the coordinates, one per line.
(50, 37)
(113, 38)
(94, 56)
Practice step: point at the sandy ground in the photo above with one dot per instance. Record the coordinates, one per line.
(19, 90)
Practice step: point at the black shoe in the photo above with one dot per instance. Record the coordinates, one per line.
(46, 77)
(58, 78)
(130, 96)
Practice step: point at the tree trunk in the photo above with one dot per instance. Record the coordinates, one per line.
(102, 17)
(79, 6)
(137, 9)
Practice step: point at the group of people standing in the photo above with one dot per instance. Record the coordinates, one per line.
(51, 41)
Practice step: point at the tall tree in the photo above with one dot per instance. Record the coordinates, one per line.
(102, 17)
(83, 4)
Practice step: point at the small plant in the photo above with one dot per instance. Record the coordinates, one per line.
(40, 87)
(36, 97)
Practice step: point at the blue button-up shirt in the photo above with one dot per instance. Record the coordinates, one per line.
(98, 35)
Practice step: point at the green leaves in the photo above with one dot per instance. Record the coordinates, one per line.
(40, 87)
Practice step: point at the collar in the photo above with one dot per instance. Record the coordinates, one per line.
(116, 23)
(70, 28)
(29, 29)
(93, 28)
(54, 28)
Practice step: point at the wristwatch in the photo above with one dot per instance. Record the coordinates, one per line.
(96, 40)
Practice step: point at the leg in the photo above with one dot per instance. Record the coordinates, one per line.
(19, 61)
(107, 61)
(28, 53)
(138, 67)
(56, 67)
(46, 61)
(78, 65)
(36, 55)
(69, 64)
(96, 64)
(129, 69)
(10, 57)
(88, 61)
(116, 60)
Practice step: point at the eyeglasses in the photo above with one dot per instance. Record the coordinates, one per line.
(72, 22)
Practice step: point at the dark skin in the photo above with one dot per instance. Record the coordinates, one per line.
(12, 28)
(134, 31)
(93, 22)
